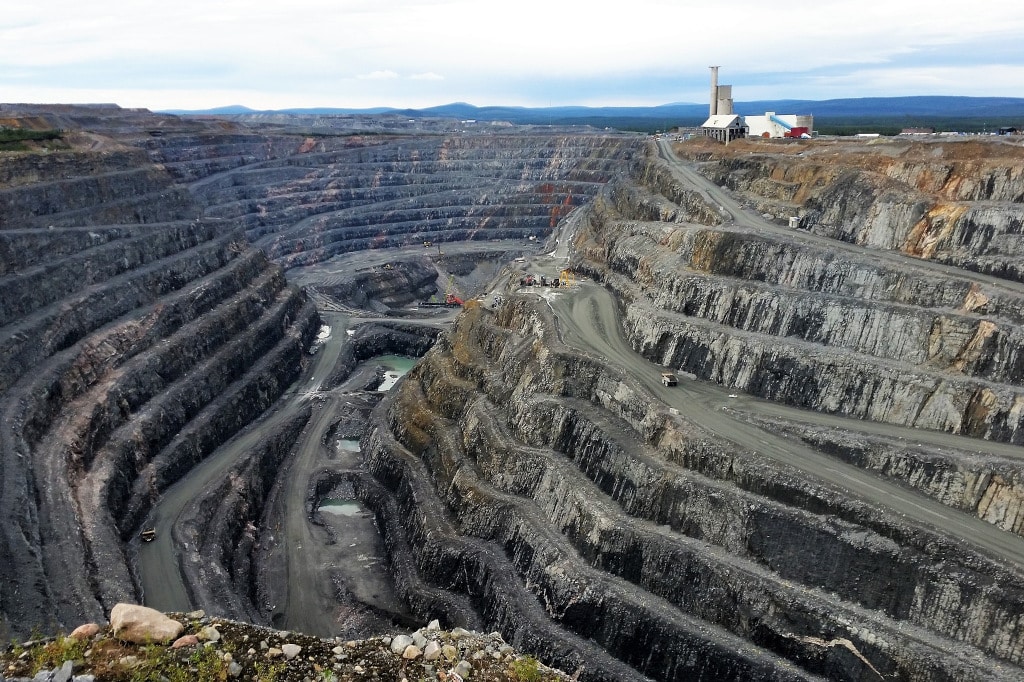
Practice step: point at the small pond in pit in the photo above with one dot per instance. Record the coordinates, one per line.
(342, 507)
(348, 445)
(397, 366)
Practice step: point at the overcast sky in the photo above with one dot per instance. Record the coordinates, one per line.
(418, 53)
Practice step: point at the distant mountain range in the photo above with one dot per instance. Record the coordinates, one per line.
(894, 111)
(956, 107)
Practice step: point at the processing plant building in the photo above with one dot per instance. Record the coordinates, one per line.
(724, 125)
(779, 125)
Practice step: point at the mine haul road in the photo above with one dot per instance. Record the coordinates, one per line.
(735, 214)
(161, 562)
(588, 320)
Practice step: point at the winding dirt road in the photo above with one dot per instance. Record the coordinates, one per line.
(160, 561)
(588, 320)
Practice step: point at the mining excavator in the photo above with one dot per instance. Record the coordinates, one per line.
(451, 299)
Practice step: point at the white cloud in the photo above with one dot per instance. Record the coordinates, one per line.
(378, 75)
(530, 52)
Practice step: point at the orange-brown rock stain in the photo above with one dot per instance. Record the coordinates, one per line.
(933, 230)
(704, 248)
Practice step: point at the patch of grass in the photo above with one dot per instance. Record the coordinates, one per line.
(21, 135)
(53, 654)
(526, 669)
(268, 672)
(14, 139)
(156, 663)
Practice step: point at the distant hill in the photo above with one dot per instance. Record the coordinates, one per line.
(938, 111)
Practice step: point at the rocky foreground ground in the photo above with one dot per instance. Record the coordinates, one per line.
(143, 644)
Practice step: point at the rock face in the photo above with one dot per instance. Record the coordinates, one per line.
(802, 321)
(137, 337)
(305, 200)
(951, 201)
(140, 330)
(526, 476)
(531, 475)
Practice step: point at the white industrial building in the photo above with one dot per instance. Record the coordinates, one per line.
(724, 125)
(779, 125)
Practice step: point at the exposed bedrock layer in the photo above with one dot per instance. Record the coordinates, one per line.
(139, 330)
(402, 283)
(221, 528)
(953, 201)
(986, 484)
(879, 337)
(307, 199)
(137, 337)
(618, 522)
(623, 528)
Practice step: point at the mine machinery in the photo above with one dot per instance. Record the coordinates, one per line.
(564, 279)
(451, 297)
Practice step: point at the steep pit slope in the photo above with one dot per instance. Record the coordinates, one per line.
(135, 336)
(533, 474)
(811, 321)
(955, 201)
(306, 199)
(556, 501)
(806, 320)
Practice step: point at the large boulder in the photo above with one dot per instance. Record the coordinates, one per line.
(141, 624)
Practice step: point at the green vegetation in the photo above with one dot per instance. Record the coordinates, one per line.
(268, 672)
(157, 663)
(52, 654)
(14, 139)
(526, 670)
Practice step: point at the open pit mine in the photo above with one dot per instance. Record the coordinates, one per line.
(313, 373)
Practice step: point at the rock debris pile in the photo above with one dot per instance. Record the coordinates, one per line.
(144, 644)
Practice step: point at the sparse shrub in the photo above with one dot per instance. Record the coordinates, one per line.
(526, 669)
(53, 654)
(268, 672)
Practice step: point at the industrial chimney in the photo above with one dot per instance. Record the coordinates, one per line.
(714, 91)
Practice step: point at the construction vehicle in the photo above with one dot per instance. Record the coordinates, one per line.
(527, 281)
(451, 299)
(148, 535)
(669, 379)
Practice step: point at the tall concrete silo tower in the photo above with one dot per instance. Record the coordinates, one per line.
(721, 95)
(714, 91)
